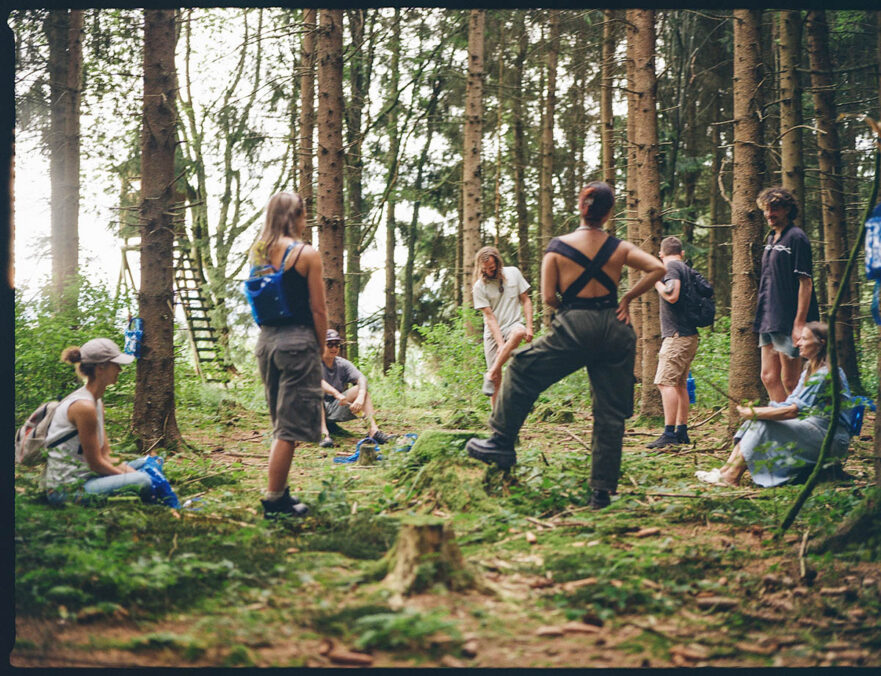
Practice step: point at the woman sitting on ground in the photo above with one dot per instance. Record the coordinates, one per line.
(780, 443)
(79, 465)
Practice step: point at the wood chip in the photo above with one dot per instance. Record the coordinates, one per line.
(469, 648)
(325, 646)
(692, 652)
(646, 532)
(754, 648)
(549, 631)
(530, 537)
(575, 627)
(833, 591)
(340, 656)
(452, 662)
(716, 603)
(577, 584)
(651, 584)
(857, 613)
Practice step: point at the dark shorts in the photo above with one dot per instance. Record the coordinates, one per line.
(337, 413)
(290, 367)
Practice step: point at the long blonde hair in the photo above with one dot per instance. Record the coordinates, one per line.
(484, 255)
(283, 219)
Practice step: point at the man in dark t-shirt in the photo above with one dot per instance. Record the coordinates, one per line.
(342, 402)
(786, 293)
(678, 347)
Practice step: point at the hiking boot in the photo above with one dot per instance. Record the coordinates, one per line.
(664, 440)
(489, 387)
(327, 442)
(286, 505)
(492, 451)
(683, 438)
(381, 437)
(600, 499)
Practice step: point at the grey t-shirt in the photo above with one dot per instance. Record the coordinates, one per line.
(673, 314)
(504, 299)
(340, 374)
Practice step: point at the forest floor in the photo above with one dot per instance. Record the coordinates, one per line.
(673, 573)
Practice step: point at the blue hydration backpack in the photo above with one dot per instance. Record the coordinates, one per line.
(265, 293)
(873, 258)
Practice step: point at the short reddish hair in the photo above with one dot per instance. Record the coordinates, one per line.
(595, 201)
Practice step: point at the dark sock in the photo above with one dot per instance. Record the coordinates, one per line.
(681, 430)
(670, 430)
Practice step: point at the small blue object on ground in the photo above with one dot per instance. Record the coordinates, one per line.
(357, 454)
(858, 412)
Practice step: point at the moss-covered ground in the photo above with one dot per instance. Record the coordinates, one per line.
(673, 573)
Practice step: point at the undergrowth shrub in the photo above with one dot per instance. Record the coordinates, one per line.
(43, 330)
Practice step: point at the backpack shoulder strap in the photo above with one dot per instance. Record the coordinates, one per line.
(285, 257)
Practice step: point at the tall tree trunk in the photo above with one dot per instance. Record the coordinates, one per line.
(412, 230)
(64, 32)
(354, 179)
(607, 116)
(792, 168)
(390, 315)
(745, 364)
(649, 188)
(831, 189)
(524, 259)
(719, 239)
(329, 203)
(471, 174)
(633, 235)
(307, 117)
(545, 189)
(153, 416)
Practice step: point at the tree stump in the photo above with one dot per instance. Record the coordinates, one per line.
(425, 554)
(367, 454)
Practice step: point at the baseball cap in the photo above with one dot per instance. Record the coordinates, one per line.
(333, 335)
(102, 350)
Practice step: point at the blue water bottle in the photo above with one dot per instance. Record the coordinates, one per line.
(692, 388)
(134, 336)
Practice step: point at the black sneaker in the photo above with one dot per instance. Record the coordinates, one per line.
(381, 437)
(327, 442)
(664, 440)
(683, 438)
(286, 505)
(491, 451)
(600, 499)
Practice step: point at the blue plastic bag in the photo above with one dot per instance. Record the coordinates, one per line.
(162, 490)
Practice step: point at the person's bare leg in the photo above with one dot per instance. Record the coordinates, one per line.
(683, 405)
(670, 402)
(325, 433)
(734, 468)
(351, 394)
(280, 456)
(790, 370)
(771, 377)
(495, 371)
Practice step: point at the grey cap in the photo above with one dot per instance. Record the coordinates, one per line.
(103, 350)
(333, 334)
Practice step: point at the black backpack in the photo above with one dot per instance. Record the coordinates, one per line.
(700, 305)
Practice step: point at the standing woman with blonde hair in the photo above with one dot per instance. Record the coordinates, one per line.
(288, 349)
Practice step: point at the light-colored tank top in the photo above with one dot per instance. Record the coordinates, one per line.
(66, 463)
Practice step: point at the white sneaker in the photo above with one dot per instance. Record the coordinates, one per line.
(714, 476)
(488, 386)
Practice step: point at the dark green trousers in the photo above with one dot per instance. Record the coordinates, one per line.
(594, 339)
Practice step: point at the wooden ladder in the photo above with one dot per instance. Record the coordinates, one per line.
(209, 361)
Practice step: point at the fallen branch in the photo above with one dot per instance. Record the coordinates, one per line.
(576, 437)
(801, 555)
(214, 517)
(706, 420)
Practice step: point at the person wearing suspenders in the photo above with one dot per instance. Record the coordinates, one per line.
(591, 328)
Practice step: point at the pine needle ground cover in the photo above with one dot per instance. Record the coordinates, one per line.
(673, 573)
